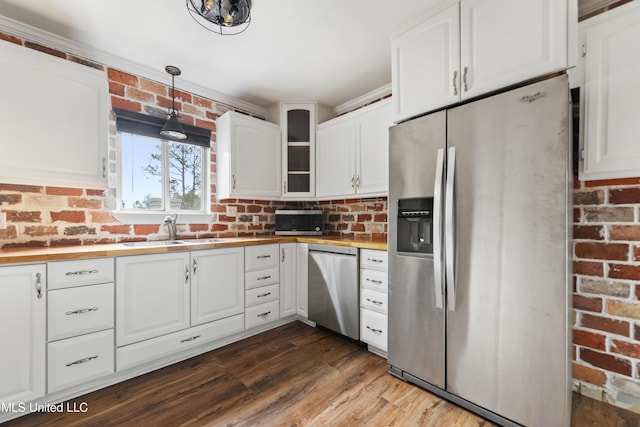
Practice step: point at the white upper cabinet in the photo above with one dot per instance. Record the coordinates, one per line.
(248, 157)
(474, 47)
(611, 93)
(352, 153)
(54, 120)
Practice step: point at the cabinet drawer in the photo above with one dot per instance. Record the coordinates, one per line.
(376, 260)
(157, 348)
(254, 279)
(374, 279)
(80, 359)
(261, 314)
(65, 274)
(376, 301)
(76, 311)
(373, 328)
(261, 295)
(260, 257)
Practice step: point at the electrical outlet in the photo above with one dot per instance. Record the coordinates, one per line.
(256, 220)
(232, 210)
(3, 220)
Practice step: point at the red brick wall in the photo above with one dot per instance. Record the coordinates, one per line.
(41, 216)
(606, 298)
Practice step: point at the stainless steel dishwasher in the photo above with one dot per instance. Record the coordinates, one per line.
(333, 289)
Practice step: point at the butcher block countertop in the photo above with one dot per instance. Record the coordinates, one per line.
(28, 255)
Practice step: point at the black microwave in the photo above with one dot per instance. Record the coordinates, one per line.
(290, 222)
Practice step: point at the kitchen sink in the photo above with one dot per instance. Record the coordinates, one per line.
(153, 243)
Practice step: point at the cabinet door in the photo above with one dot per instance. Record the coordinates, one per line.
(506, 42)
(298, 124)
(255, 156)
(23, 327)
(425, 62)
(217, 284)
(152, 296)
(373, 150)
(288, 300)
(612, 94)
(335, 159)
(302, 279)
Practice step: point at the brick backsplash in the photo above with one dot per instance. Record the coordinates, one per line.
(606, 297)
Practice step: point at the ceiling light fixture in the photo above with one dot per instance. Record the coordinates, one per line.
(172, 127)
(229, 17)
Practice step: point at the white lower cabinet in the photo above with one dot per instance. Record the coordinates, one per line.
(373, 299)
(302, 273)
(262, 314)
(80, 359)
(288, 291)
(262, 282)
(23, 329)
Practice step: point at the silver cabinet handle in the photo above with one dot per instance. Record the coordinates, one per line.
(437, 230)
(284, 186)
(282, 254)
(265, 314)
(82, 311)
(80, 272)
(353, 181)
(450, 230)
(186, 274)
(195, 265)
(263, 278)
(39, 285)
(378, 331)
(374, 301)
(104, 167)
(357, 181)
(375, 260)
(377, 282)
(263, 295)
(464, 79)
(233, 178)
(455, 83)
(263, 256)
(81, 361)
(193, 338)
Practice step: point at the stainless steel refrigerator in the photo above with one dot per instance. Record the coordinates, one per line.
(479, 238)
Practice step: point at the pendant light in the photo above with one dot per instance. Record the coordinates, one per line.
(224, 17)
(172, 127)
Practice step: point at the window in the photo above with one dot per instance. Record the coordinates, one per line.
(156, 174)
(161, 175)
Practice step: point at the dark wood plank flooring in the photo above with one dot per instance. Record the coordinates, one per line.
(294, 375)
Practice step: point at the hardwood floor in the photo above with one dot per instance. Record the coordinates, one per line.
(294, 375)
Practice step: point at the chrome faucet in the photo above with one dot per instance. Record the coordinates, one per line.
(170, 221)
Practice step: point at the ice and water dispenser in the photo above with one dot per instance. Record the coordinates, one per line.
(415, 226)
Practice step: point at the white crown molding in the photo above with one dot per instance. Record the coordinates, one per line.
(363, 100)
(36, 35)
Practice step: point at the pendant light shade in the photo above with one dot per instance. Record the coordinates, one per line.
(172, 127)
(225, 17)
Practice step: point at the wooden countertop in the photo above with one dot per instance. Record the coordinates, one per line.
(30, 255)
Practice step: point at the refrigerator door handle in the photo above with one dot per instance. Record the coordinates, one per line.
(437, 230)
(449, 229)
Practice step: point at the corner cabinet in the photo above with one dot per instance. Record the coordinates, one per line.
(23, 327)
(352, 153)
(55, 115)
(611, 92)
(473, 47)
(248, 157)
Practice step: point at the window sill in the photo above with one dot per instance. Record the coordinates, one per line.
(158, 217)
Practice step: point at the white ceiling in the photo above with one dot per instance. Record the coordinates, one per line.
(330, 51)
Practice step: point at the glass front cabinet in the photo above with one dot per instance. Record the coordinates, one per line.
(298, 126)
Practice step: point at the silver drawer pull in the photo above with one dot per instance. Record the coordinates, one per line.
(82, 311)
(375, 260)
(377, 282)
(263, 256)
(191, 338)
(81, 361)
(264, 295)
(264, 314)
(374, 301)
(378, 331)
(81, 272)
(264, 278)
